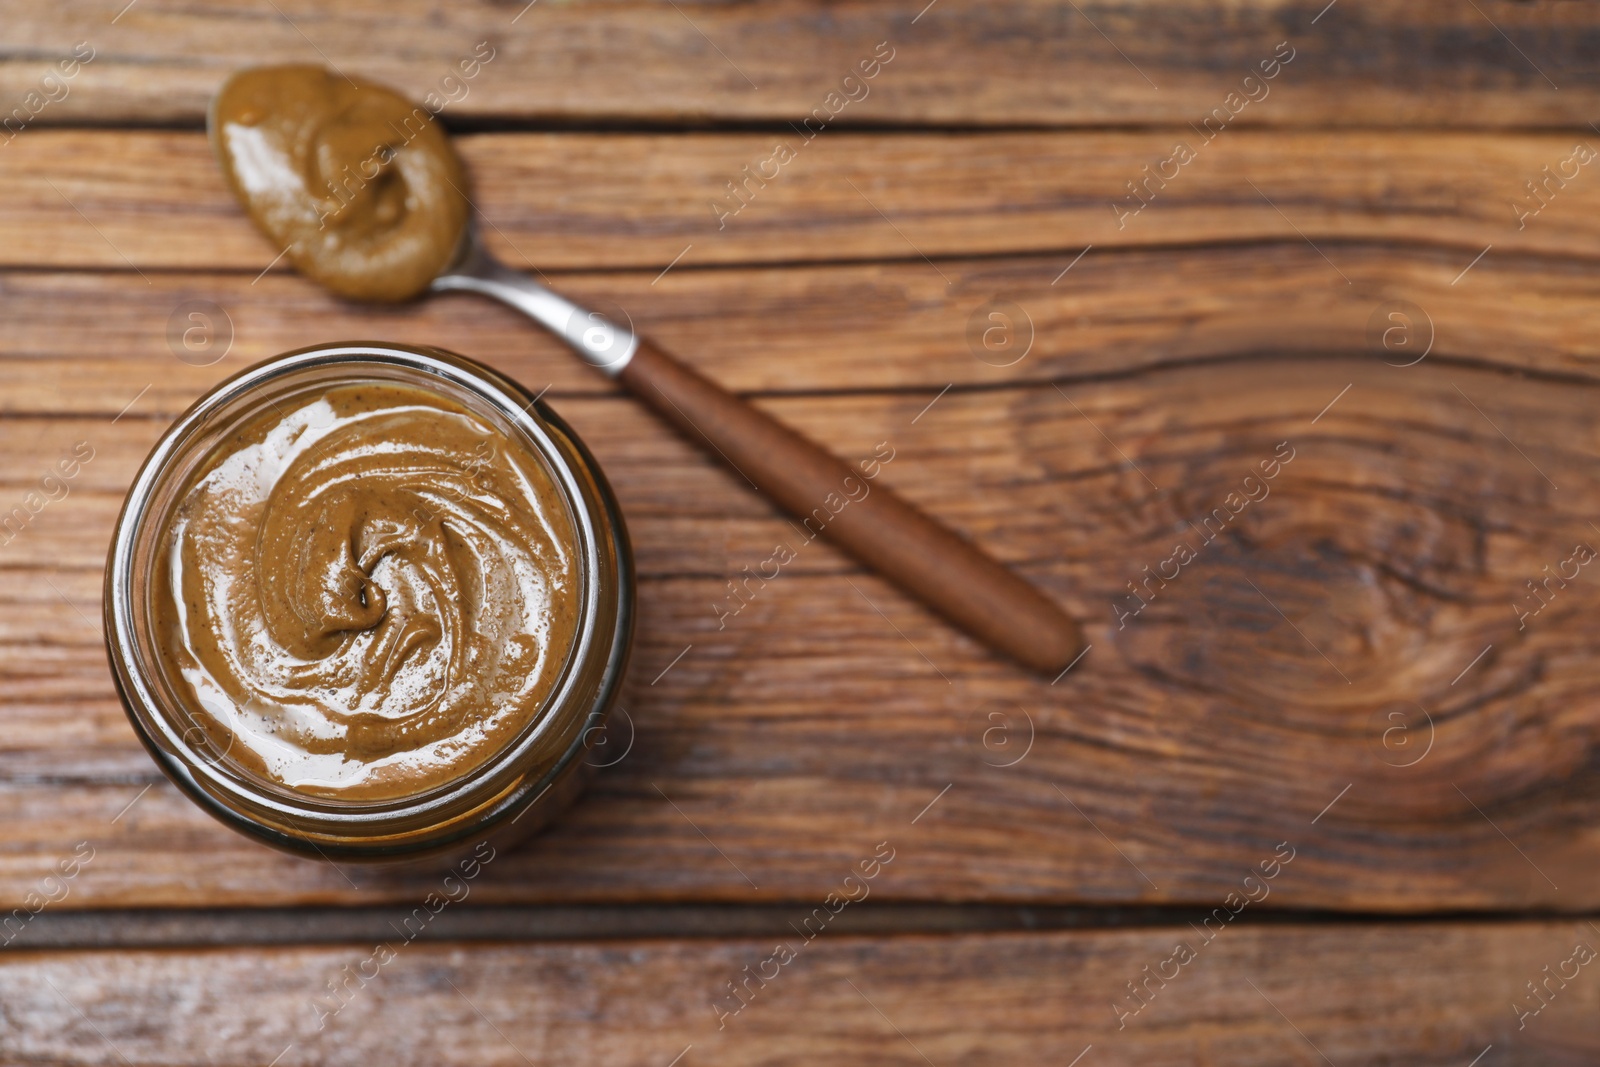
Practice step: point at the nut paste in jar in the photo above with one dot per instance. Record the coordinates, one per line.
(369, 592)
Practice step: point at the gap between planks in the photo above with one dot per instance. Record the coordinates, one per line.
(205, 927)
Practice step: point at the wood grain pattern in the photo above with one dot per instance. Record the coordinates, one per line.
(153, 200)
(1377, 579)
(1341, 673)
(1112, 62)
(1436, 994)
(886, 327)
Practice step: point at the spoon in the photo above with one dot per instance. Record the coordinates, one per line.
(399, 212)
(906, 546)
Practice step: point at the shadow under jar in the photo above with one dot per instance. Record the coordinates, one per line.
(370, 602)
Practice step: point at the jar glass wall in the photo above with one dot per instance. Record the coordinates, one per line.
(514, 788)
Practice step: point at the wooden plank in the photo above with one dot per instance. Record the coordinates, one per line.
(878, 326)
(1378, 579)
(153, 200)
(1112, 62)
(1437, 993)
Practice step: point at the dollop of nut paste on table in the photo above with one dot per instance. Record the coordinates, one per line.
(360, 186)
(368, 592)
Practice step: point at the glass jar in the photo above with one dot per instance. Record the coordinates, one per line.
(513, 791)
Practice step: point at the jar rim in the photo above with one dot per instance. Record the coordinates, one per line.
(501, 785)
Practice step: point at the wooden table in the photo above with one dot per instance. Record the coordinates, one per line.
(1338, 748)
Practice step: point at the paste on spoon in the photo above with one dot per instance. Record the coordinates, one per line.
(359, 186)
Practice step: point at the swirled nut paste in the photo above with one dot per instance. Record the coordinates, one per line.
(367, 593)
(359, 186)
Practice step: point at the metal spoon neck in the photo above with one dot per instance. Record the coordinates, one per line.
(597, 340)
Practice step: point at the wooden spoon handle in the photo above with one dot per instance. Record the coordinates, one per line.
(926, 559)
